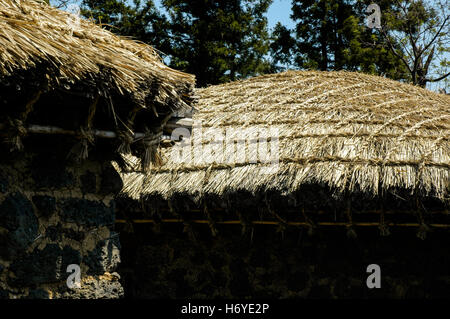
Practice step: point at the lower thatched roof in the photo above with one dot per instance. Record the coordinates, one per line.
(348, 131)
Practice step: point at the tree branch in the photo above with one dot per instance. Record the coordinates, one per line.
(428, 62)
(435, 37)
(439, 78)
(391, 46)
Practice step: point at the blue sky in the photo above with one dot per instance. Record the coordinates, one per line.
(280, 11)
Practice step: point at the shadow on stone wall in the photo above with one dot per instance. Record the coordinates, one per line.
(270, 264)
(53, 213)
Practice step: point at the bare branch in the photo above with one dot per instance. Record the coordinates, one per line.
(439, 78)
(391, 46)
(435, 36)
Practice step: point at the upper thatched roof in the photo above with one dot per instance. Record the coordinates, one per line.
(65, 52)
(347, 131)
(65, 73)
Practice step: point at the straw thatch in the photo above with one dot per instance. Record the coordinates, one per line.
(51, 61)
(348, 131)
(68, 50)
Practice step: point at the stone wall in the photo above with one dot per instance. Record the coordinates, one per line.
(55, 212)
(172, 263)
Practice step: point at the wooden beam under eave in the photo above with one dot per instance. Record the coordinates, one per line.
(177, 122)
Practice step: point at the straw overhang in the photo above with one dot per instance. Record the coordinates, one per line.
(62, 74)
(66, 50)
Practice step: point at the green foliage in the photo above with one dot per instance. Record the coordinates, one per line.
(332, 35)
(140, 20)
(421, 30)
(218, 41)
(282, 44)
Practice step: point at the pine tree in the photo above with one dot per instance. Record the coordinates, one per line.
(217, 40)
(332, 35)
(137, 19)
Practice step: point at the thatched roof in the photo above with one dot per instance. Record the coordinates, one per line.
(66, 51)
(62, 74)
(348, 131)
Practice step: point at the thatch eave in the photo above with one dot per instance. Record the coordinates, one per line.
(347, 132)
(45, 52)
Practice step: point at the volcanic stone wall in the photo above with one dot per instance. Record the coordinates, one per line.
(177, 262)
(55, 212)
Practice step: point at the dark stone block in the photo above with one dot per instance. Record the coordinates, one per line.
(415, 292)
(4, 183)
(320, 292)
(70, 256)
(46, 205)
(298, 281)
(4, 294)
(86, 212)
(73, 234)
(111, 182)
(105, 257)
(259, 257)
(17, 216)
(56, 233)
(220, 279)
(113, 208)
(198, 257)
(239, 285)
(53, 233)
(44, 266)
(439, 288)
(50, 172)
(217, 260)
(38, 294)
(88, 183)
